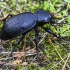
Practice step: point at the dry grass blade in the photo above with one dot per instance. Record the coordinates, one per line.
(45, 34)
(57, 52)
(56, 64)
(63, 68)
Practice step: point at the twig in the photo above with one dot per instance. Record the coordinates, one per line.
(57, 51)
(32, 40)
(16, 54)
(57, 64)
(10, 64)
(45, 34)
(63, 68)
(62, 20)
(34, 59)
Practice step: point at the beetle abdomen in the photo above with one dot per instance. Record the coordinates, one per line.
(18, 25)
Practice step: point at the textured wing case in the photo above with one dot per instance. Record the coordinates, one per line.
(18, 25)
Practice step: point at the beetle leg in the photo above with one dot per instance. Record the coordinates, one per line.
(11, 15)
(51, 32)
(19, 40)
(36, 38)
(4, 18)
(36, 42)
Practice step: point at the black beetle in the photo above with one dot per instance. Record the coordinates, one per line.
(22, 23)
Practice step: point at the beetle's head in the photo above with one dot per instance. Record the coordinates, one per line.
(44, 17)
(52, 21)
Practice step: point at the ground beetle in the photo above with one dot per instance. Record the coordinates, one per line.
(21, 24)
